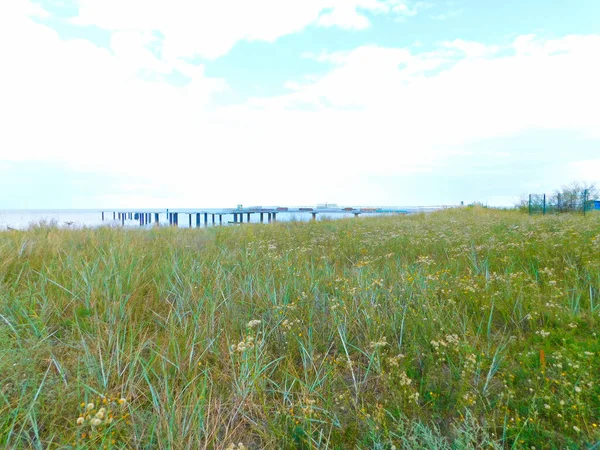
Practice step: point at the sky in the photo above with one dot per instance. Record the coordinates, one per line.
(197, 103)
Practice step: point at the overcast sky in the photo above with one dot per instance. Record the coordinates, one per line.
(185, 103)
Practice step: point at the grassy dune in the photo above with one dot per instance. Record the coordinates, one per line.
(460, 329)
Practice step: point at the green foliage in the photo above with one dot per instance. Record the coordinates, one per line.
(463, 329)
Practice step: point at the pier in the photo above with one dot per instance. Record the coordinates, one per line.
(212, 217)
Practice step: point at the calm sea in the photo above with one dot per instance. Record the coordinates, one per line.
(76, 218)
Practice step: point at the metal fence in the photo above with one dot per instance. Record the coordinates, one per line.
(573, 202)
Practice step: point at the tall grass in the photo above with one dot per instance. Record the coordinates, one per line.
(459, 329)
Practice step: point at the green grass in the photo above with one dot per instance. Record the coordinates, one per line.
(462, 329)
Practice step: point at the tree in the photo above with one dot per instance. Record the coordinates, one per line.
(572, 196)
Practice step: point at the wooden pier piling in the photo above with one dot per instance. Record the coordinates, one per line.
(244, 215)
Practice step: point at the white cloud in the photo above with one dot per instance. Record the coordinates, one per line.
(378, 111)
(447, 15)
(472, 49)
(345, 16)
(584, 170)
(211, 28)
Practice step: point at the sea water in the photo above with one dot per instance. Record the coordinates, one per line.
(77, 218)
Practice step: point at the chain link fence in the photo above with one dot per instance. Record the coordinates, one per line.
(573, 202)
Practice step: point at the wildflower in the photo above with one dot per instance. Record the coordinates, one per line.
(253, 323)
(576, 428)
(381, 343)
(90, 406)
(122, 401)
(95, 422)
(547, 406)
(404, 379)
(100, 414)
(80, 421)
(577, 389)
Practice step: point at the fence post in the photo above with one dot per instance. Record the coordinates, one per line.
(529, 204)
(585, 195)
(544, 210)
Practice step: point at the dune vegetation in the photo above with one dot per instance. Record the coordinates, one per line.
(462, 329)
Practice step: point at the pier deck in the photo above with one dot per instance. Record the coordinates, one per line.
(206, 217)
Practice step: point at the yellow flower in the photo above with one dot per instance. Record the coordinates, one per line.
(122, 401)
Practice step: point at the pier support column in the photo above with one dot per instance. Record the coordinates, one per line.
(241, 217)
(314, 216)
(234, 217)
(190, 220)
(262, 217)
(220, 219)
(248, 217)
(205, 219)
(213, 219)
(197, 220)
(156, 218)
(274, 217)
(356, 215)
(114, 216)
(123, 220)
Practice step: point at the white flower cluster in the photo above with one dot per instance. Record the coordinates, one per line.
(244, 345)
(253, 323)
(379, 344)
(239, 446)
(543, 333)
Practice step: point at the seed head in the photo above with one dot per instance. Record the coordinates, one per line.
(96, 422)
